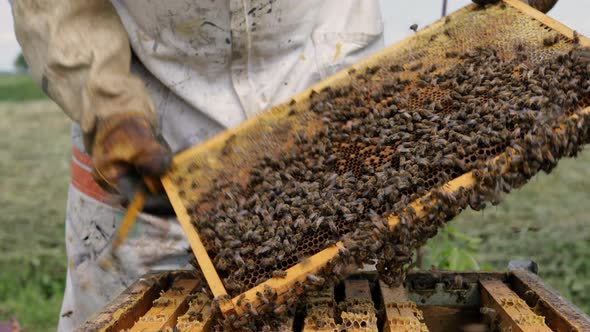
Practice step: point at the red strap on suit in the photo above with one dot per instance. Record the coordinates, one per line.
(82, 177)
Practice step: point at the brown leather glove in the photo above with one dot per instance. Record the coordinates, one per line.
(541, 5)
(125, 154)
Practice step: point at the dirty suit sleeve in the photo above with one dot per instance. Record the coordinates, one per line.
(79, 53)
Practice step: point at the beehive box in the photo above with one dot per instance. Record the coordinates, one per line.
(428, 301)
(369, 163)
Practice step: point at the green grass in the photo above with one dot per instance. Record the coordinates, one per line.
(34, 175)
(19, 87)
(547, 221)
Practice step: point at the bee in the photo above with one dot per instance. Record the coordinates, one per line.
(313, 278)
(280, 309)
(458, 282)
(67, 313)
(268, 261)
(241, 301)
(251, 308)
(262, 297)
(195, 315)
(373, 70)
(177, 289)
(227, 145)
(332, 226)
(451, 54)
(192, 167)
(576, 37)
(161, 302)
(422, 84)
(313, 94)
(489, 312)
(416, 66)
(270, 293)
(319, 222)
(262, 250)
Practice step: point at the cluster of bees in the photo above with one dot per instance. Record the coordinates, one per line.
(385, 142)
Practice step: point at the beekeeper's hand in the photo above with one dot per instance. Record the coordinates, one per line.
(541, 5)
(79, 53)
(126, 152)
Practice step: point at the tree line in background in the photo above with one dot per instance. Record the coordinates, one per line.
(20, 64)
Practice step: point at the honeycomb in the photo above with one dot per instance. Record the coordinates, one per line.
(358, 322)
(331, 168)
(406, 324)
(408, 305)
(321, 319)
(359, 315)
(199, 310)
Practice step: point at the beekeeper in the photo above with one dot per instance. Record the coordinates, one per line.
(145, 79)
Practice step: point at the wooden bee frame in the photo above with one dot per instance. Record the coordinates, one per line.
(210, 159)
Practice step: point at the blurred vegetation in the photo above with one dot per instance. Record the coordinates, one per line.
(453, 250)
(19, 87)
(34, 176)
(546, 221)
(21, 64)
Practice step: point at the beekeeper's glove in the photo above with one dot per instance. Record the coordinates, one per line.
(541, 5)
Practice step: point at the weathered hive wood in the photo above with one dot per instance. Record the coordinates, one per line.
(512, 312)
(451, 315)
(320, 311)
(198, 316)
(401, 314)
(133, 303)
(559, 313)
(165, 309)
(359, 313)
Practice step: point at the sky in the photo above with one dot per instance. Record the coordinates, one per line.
(398, 16)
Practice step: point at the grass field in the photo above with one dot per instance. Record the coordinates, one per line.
(34, 174)
(547, 221)
(19, 87)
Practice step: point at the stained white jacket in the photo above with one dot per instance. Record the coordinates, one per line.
(226, 59)
(202, 66)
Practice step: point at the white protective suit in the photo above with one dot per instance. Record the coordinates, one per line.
(207, 65)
